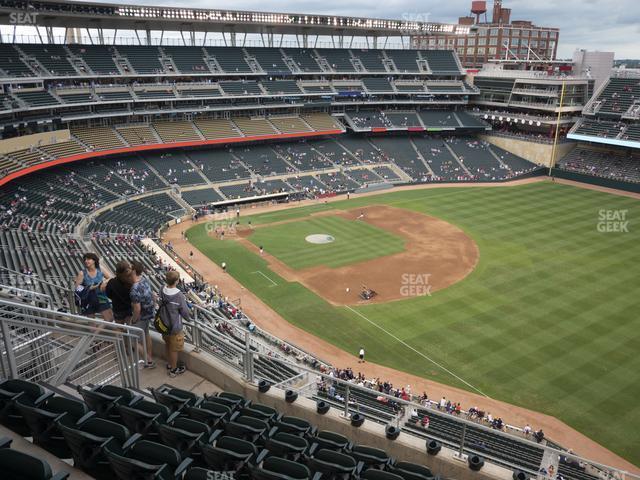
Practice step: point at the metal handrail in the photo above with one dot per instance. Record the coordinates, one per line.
(618, 473)
(26, 293)
(34, 332)
(37, 279)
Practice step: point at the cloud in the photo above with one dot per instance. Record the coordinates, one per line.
(605, 25)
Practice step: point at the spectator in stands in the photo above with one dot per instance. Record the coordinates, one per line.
(539, 436)
(143, 308)
(118, 289)
(87, 283)
(173, 308)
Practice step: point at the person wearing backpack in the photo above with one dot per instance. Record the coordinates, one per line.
(143, 307)
(173, 308)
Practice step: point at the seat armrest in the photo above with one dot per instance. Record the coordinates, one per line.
(260, 457)
(43, 397)
(172, 417)
(60, 476)
(272, 432)
(5, 442)
(85, 417)
(234, 415)
(317, 476)
(180, 469)
(359, 468)
(131, 442)
(215, 435)
(312, 449)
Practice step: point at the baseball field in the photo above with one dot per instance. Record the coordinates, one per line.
(529, 294)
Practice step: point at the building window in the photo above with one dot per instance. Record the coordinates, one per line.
(471, 41)
(470, 51)
(481, 50)
(493, 41)
(494, 32)
(492, 51)
(482, 41)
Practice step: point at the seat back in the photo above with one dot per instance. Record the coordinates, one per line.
(16, 464)
(294, 425)
(413, 468)
(371, 457)
(331, 440)
(274, 468)
(127, 468)
(87, 448)
(210, 418)
(331, 463)
(139, 421)
(373, 474)
(154, 453)
(170, 401)
(234, 397)
(287, 445)
(261, 412)
(230, 454)
(101, 403)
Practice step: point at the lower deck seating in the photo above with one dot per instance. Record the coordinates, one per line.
(621, 165)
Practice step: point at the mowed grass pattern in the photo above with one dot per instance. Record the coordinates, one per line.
(355, 241)
(548, 319)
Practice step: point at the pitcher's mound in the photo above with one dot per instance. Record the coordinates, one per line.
(319, 238)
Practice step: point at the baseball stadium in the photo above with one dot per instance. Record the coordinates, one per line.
(253, 245)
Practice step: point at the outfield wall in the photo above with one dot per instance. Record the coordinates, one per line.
(538, 153)
(593, 180)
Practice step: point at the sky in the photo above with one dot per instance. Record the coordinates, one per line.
(604, 25)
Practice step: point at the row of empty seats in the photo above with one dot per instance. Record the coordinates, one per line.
(168, 433)
(23, 60)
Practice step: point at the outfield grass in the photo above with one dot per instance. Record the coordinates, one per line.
(354, 242)
(548, 320)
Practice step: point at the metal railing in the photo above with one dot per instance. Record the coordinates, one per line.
(355, 398)
(40, 344)
(34, 298)
(14, 278)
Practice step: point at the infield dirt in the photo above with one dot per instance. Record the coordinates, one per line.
(436, 255)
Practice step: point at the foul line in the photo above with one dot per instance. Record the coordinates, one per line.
(419, 353)
(274, 283)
